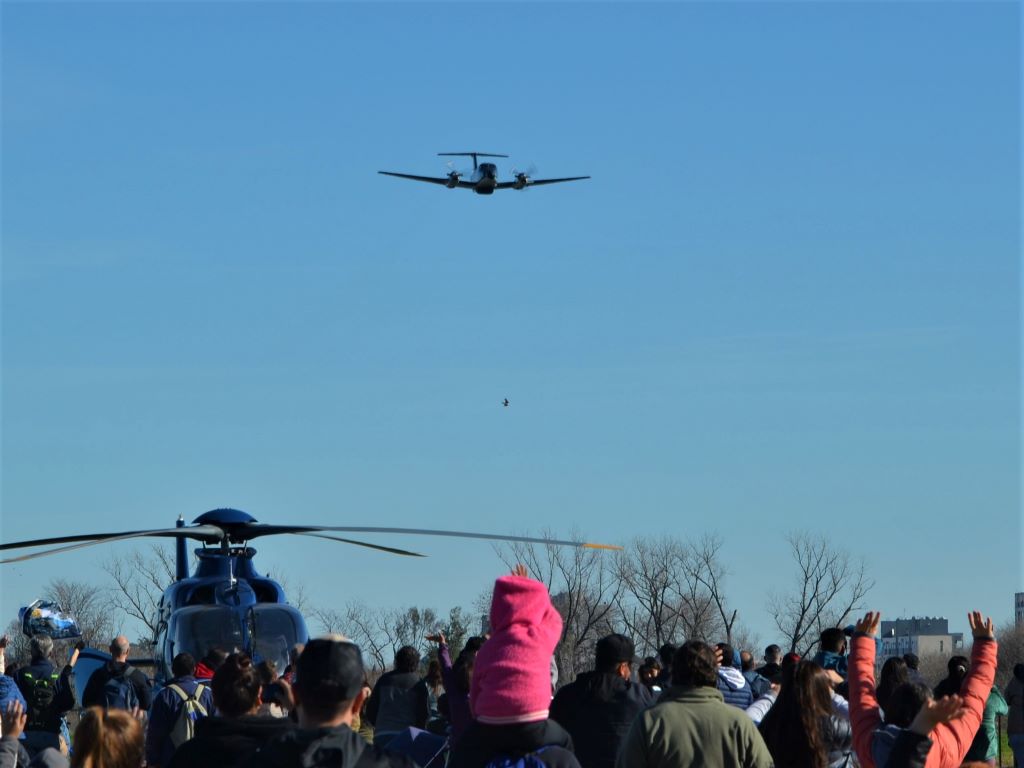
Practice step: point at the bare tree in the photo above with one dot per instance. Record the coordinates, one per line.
(931, 666)
(17, 645)
(379, 632)
(456, 630)
(705, 577)
(650, 575)
(673, 589)
(584, 590)
(410, 626)
(745, 639)
(830, 584)
(1011, 651)
(139, 582)
(90, 606)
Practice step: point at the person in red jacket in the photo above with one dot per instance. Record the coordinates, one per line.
(950, 740)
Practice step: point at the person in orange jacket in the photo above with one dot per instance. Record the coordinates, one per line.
(950, 740)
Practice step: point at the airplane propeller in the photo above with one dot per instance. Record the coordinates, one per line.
(453, 175)
(523, 179)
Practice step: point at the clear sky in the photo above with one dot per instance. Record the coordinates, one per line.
(789, 298)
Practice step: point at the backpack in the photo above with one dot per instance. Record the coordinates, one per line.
(119, 693)
(191, 710)
(39, 698)
(529, 760)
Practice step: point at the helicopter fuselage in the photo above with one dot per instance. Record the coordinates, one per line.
(226, 604)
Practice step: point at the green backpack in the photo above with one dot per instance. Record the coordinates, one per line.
(191, 710)
(39, 698)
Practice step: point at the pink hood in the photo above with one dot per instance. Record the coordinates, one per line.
(512, 673)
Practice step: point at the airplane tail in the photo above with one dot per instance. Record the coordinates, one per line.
(474, 155)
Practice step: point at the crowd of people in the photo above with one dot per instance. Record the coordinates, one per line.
(497, 705)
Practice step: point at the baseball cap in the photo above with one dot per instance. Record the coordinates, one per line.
(613, 649)
(331, 662)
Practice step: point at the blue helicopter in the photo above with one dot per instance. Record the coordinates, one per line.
(226, 603)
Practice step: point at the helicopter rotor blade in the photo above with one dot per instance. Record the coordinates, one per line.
(255, 530)
(391, 550)
(63, 539)
(205, 533)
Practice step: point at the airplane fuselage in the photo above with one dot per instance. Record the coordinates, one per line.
(485, 178)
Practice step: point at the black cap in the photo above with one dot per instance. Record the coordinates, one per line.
(331, 662)
(612, 650)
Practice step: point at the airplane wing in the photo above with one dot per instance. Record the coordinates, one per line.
(442, 180)
(537, 182)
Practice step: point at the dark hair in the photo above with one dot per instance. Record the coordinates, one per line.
(407, 659)
(667, 653)
(957, 667)
(788, 668)
(905, 702)
(832, 639)
(912, 661)
(647, 673)
(894, 674)
(267, 670)
(215, 657)
(728, 654)
(463, 671)
(236, 686)
(611, 651)
(110, 738)
(322, 702)
(1018, 672)
(694, 664)
(792, 729)
(772, 653)
(183, 665)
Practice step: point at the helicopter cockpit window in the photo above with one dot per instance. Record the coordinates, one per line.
(200, 628)
(275, 629)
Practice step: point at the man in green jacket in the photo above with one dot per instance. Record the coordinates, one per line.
(692, 725)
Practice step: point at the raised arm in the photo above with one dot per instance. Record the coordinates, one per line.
(864, 711)
(953, 739)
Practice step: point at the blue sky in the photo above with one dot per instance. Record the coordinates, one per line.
(787, 300)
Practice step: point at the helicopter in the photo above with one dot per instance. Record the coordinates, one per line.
(484, 179)
(226, 603)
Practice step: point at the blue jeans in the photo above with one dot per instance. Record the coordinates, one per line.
(1017, 745)
(37, 741)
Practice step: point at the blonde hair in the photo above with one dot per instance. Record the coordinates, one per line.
(109, 738)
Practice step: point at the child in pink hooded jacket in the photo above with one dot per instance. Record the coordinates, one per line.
(511, 688)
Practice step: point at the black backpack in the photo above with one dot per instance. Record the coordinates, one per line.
(119, 693)
(39, 695)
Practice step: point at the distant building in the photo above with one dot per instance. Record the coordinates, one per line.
(1019, 609)
(922, 635)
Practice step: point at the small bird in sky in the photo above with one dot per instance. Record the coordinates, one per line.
(505, 402)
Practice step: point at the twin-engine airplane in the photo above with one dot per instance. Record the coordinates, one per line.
(485, 176)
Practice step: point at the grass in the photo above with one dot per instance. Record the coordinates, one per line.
(1005, 753)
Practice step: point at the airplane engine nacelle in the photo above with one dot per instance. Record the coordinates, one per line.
(522, 180)
(453, 181)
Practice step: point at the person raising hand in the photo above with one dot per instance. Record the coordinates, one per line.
(951, 737)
